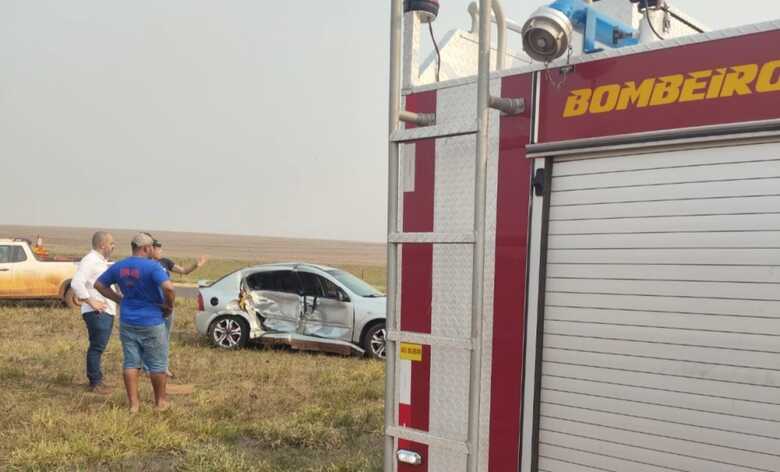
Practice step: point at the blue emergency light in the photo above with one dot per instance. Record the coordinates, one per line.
(428, 10)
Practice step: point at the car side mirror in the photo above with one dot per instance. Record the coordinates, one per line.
(343, 297)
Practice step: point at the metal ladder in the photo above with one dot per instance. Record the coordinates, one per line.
(477, 238)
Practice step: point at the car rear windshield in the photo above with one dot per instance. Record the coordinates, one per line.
(355, 285)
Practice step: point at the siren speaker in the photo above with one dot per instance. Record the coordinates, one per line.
(547, 34)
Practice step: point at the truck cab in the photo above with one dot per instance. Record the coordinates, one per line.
(26, 275)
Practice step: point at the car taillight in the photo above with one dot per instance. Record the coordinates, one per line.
(200, 302)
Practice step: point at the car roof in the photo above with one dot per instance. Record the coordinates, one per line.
(288, 266)
(14, 240)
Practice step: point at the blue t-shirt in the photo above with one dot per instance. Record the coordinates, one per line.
(139, 279)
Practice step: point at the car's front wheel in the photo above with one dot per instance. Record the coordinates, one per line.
(229, 332)
(375, 340)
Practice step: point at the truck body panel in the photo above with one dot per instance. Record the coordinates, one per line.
(630, 309)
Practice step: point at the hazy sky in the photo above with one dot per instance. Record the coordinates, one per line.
(246, 117)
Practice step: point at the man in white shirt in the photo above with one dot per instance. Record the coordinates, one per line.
(98, 312)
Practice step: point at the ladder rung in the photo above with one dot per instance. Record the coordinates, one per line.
(437, 131)
(435, 238)
(439, 341)
(426, 438)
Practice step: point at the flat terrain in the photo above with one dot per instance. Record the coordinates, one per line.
(75, 241)
(256, 409)
(227, 253)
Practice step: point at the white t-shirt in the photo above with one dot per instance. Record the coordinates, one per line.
(90, 268)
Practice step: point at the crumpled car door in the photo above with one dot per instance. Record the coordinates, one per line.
(328, 312)
(275, 298)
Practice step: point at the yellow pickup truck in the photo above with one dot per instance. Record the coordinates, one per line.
(28, 273)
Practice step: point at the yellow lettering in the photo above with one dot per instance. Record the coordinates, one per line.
(637, 96)
(697, 85)
(713, 91)
(767, 82)
(411, 352)
(604, 98)
(666, 90)
(577, 103)
(739, 80)
(693, 87)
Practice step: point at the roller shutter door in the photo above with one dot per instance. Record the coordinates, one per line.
(661, 347)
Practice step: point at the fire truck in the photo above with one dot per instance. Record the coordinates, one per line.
(583, 242)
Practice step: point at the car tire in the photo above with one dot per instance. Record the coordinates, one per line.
(69, 299)
(375, 340)
(229, 332)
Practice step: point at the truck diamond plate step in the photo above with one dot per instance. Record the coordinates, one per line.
(435, 238)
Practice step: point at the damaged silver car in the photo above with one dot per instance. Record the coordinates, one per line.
(305, 306)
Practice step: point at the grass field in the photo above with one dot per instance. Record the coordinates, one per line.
(256, 409)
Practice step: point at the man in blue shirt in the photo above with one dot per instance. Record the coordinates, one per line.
(146, 298)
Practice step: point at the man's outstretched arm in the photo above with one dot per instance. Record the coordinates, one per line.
(191, 268)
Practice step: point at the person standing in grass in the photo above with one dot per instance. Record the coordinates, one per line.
(146, 298)
(98, 312)
(171, 267)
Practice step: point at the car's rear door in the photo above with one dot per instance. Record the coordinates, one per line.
(30, 279)
(7, 288)
(276, 297)
(332, 316)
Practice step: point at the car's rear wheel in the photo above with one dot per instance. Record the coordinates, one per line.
(229, 332)
(375, 340)
(69, 299)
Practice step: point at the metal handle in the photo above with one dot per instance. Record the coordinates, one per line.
(509, 106)
(480, 209)
(502, 25)
(409, 457)
(396, 19)
(420, 119)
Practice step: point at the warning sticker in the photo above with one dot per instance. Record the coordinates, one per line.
(411, 352)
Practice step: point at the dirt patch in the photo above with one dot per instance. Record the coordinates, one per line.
(180, 389)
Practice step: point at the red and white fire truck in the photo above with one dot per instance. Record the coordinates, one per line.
(584, 243)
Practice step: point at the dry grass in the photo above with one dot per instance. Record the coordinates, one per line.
(266, 410)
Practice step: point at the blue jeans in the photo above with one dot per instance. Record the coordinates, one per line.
(99, 326)
(168, 325)
(145, 345)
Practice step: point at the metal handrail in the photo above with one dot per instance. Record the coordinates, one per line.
(502, 25)
(498, 11)
(396, 20)
(480, 210)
